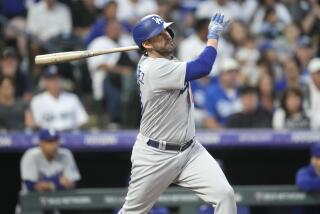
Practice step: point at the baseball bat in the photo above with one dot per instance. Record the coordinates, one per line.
(54, 58)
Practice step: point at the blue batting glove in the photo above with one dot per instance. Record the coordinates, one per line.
(216, 26)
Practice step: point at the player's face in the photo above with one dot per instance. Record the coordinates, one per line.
(315, 162)
(163, 44)
(49, 149)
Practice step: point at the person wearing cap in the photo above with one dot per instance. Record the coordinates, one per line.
(55, 108)
(49, 18)
(48, 167)
(251, 116)
(308, 178)
(10, 67)
(314, 93)
(222, 99)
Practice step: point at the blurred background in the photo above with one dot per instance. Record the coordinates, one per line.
(263, 91)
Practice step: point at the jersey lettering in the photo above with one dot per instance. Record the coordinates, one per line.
(140, 76)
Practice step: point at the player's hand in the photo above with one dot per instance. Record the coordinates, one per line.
(216, 26)
(43, 186)
(66, 183)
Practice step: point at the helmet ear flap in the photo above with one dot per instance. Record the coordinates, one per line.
(170, 31)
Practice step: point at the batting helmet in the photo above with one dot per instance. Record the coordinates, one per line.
(148, 27)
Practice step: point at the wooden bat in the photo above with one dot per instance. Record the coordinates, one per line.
(55, 58)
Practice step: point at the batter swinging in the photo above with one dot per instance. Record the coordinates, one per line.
(166, 150)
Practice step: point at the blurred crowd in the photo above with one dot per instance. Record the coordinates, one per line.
(267, 73)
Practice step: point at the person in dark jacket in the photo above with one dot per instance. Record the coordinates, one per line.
(251, 116)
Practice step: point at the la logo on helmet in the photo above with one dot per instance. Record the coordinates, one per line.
(158, 20)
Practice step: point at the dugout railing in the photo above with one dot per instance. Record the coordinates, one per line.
(183, 199)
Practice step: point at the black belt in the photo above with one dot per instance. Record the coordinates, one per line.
(170, 146)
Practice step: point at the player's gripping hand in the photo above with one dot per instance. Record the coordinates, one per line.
(216, 26)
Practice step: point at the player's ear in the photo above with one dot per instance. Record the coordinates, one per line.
(146, 45)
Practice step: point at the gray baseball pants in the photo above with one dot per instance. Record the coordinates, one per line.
(153, 170)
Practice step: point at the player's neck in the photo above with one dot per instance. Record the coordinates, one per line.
(155, 54)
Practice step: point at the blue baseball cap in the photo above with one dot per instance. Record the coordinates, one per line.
(315, 150)
(51, 71)
(48, 135)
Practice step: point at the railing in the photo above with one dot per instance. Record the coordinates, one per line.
(124, 140)
(185, 200)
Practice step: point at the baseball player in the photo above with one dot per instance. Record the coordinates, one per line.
(166, 150)
(48, 167)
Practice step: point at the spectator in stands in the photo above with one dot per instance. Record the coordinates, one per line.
(49, 18)
(132, 10)
(229, 8)
(84, 14)
(304, 52)
(238, 34)
(307, 13)
(12, 110)
(278, 10)
(113, 76)
(247, 56)
(287, 43)
(292, 75)
(10, 67)
(55, 108)
(266, 92)
(314, 93)
(268, 62)
(222, 98)
(250, 116)
(308, 179)
(291, 115)
(109, 12)
(47, 167)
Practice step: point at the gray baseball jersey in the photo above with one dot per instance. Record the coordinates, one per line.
(167, 107)
(35, 167)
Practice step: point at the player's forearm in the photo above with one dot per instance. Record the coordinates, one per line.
(201, 66)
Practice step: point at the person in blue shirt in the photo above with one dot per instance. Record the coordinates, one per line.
(308, 179)
(199, 88)
(109, 13)
(222, 98)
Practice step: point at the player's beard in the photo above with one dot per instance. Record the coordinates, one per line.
(166, 49)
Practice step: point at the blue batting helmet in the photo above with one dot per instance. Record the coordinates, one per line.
(148, 27)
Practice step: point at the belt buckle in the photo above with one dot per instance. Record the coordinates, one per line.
(162, 144)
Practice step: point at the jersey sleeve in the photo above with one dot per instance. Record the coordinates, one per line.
(167, 74)
(71, 170)
(28, 168)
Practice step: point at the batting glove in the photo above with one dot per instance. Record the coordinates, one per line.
(216, 26)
